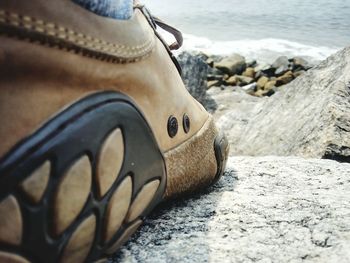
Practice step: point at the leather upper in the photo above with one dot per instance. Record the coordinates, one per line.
(39, 79)
(69, 23)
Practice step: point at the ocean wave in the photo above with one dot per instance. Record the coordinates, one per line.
(263, 50)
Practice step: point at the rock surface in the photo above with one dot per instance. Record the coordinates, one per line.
(281, 65)
(309, 117)
(228, 98)
(264, 209)
(193, 65)
(234, 64)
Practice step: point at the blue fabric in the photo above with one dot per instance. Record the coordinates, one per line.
(118, 9)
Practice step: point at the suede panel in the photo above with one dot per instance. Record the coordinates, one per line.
(192, 165)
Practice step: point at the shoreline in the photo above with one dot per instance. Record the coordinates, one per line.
(265, 49)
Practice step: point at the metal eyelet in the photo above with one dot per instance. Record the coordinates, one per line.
(186, 123)
(173, 126)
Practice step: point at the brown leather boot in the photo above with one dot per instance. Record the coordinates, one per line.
(96, 129)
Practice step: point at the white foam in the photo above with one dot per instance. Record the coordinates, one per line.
(263, 50)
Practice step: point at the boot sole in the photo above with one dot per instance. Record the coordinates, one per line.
(81, 185)
(77, 188)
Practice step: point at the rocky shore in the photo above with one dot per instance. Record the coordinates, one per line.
(308, 117)
(256, 78)
(270, 206)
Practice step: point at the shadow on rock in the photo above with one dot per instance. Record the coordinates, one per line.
(175, 229)
(210, 104)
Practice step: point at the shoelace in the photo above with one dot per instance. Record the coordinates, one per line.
(158, 22)
(153, 21)
(176, 33)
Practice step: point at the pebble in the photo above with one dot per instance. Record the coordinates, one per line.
(234, 70)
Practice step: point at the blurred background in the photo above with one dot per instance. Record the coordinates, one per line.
(260, 29)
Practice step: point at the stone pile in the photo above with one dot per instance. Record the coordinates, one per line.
(309, 117)
(257, 79)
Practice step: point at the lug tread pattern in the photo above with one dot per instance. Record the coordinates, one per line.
(72, 143)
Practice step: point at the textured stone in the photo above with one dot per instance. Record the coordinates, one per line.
(250, 89)
(72, 193)
(301, 63)
(249, 72)
(110, 161)
(80, 242)
(234, 64)
(264, 209)
(262, 82)
(270, 85)
(281, 65)
(262, 67)
(244, 80)
(11, 224)
(211, 77)
(298, 73)
(251, 63)
(118, 208)
(210, 62)
(233, 98)
(214, 83)
(35, 185)
(232, 81)
(285, 78)
(194, 74)
(309, 117)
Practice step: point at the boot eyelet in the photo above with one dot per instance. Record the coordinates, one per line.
(186, 123)
(173, 126)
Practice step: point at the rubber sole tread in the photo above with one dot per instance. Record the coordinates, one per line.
(79, 211)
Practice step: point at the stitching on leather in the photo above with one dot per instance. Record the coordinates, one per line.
(65, 34)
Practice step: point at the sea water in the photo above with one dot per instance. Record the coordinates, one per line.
(260, 29)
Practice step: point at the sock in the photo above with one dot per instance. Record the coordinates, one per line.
(118, 9)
